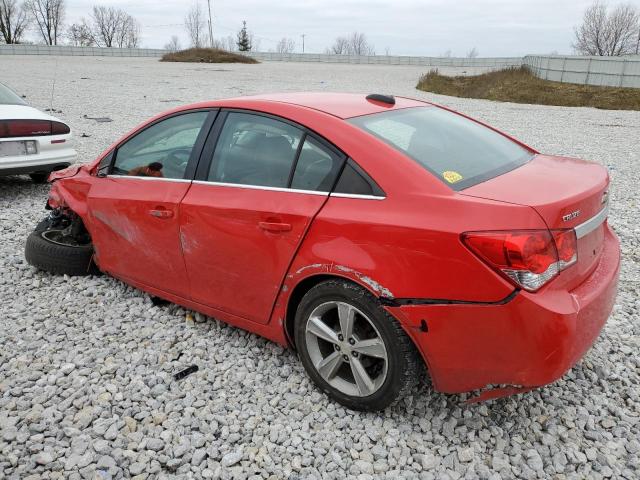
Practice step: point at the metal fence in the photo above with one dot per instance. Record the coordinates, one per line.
(604, 71)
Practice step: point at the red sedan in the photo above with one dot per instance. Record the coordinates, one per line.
(376, 235)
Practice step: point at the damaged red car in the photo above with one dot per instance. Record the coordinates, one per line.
(376, 235)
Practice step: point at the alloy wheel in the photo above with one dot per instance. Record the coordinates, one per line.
(346, 349)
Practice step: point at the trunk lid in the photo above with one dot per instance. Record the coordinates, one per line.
(566, 192)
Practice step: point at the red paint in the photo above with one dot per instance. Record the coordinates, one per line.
(239, 242)
(135, 228)
(238, 253)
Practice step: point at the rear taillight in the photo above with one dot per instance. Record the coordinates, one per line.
(59, 128)
(31, 128)
(529, 258)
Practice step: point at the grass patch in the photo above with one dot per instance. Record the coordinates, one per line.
(206, 55)
(519, 85)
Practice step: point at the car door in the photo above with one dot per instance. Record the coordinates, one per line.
(258, 187)
(135, 206)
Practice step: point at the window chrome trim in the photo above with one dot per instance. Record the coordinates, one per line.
(132, 177)
(260, 187)
(252, 187)
(357, 195)
(594, 222)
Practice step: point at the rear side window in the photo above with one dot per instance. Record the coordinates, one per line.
(459, 151)
(355, 181)
(255, 150)
(317, 167)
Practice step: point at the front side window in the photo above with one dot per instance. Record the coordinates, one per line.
(459, 151)
(255, 150)
(162, 150)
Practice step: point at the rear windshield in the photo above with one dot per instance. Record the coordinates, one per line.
(8, 97)
(459, 151)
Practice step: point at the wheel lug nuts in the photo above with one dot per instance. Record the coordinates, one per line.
(340, 337)
(352, 341)
(337, 347)
(355, 354)
(345, 358)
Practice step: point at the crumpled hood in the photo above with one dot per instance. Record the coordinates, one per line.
(68, 172)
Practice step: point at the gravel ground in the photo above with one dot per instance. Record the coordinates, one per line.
(86, 364)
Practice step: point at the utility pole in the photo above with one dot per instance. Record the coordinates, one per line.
(210, 26)
(303, 35)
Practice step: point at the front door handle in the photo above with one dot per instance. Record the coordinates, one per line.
(161, 213)
(275, 227)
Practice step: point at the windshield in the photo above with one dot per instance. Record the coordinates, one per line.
(459, 151)
(8, 97)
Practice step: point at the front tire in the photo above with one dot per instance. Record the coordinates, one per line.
(352, 348)
(50, 249)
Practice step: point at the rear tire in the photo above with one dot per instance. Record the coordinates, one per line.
(43, 252)
(371, 367)
(39, 177)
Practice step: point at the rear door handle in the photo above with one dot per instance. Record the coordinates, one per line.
(161, 213)
(275, 226)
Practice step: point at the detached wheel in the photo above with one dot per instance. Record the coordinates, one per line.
(352, 348)
(54, 251)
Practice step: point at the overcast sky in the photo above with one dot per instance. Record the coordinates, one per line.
(403, 27)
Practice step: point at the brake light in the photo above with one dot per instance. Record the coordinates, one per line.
(59, 128)
(31, 128)
(529, 258)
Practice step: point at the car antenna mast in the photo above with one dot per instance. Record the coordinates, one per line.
(53, 84)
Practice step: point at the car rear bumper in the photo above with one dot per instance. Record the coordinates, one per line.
(36, 163)
(529, 341)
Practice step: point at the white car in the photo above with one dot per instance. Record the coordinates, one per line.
(31, 142)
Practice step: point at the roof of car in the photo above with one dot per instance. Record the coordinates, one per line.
(342, 105)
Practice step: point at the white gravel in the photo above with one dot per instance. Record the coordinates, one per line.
(86, 364)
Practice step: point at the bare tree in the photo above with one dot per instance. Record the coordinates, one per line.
(255, 42)
(13, 21)
(608, 33)
(339, 47)
(354, 44)
(79, 35)
(359, 45)
(113, 27)
(286, 45)
(227, 43)
(48, 16)
(128, 32)
(173, 45)
(194, 23)
(473, 53)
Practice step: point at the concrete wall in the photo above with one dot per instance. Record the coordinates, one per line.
(609, 71)
(79, 51)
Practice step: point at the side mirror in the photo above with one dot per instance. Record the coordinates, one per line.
(103, 170)
(105, 164)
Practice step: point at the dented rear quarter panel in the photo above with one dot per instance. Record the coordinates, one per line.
(405, 246)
